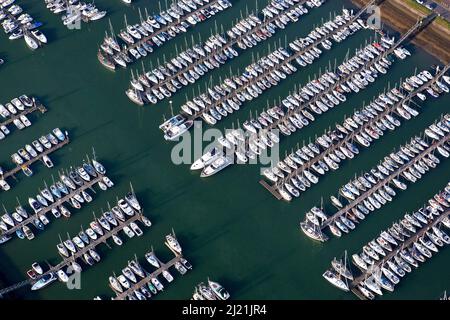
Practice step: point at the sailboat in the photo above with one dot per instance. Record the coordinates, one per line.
(335, 280)
(151, 258)
(341, 267)
(373, 285)
(31, 43)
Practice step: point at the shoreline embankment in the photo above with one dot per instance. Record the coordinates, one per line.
(400, 15)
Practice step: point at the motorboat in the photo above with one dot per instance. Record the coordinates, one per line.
(31, 42)
(132, 200)
(123, 205)
(217, 165)
(62, 276)
(136, 229)
(166, 274)
(206, 292)
(37, 268)
(39, 36)
(206, 159)
(44, 281)
(98, 167)
(136, 268)
(117, 240)
(95, 227)
(128, 273)
(123, 281)
(35, 205)
(218, 290)
(159, 286)
(151, 258)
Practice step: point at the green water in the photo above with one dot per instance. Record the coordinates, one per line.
(231, 229)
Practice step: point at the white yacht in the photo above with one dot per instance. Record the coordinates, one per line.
(115, 284)
(206, 159)
(133, 201)
(62, 276)
(44, 281)
(39, 35)
(173, 244)
(31, 43)
(151, 258)
(175, 127)
(218, 290)
(217, 165)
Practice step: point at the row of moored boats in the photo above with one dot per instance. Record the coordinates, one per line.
(139, 40)
(49, 199)
(75, 11)
(83, 245)
(193, 63)
(38, 149)
(374, 188)
(212, 290)
(293, 119)
(17, 24)
(141, 284)
(385, 272)
(16, 109)
(328, 150)
(224, 99)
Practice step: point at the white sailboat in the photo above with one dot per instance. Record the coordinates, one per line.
(31, 43)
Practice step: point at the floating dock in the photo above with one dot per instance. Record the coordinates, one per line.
(385, 181)
(147, 279)
(46, 152)
(231, 43)
(67, 261)
(37, 106)
(57, 203)
(390, 255)
(109, 58)
(276, 67)
(273, 188)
